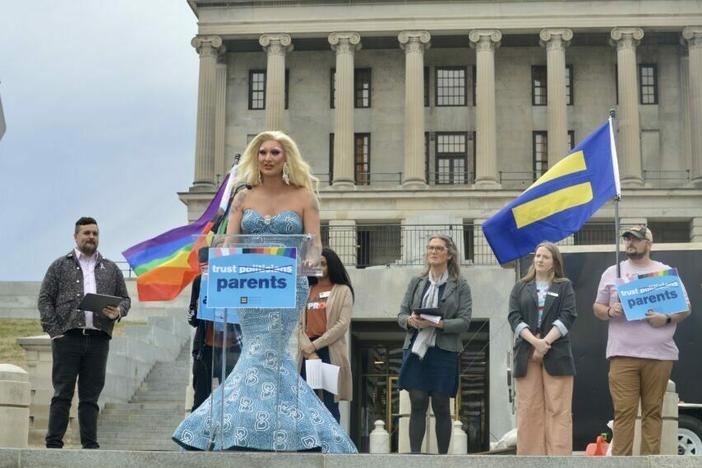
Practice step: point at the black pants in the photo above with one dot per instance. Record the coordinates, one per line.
(204, 371)
(81, 357)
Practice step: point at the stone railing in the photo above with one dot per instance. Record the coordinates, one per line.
(131, 357)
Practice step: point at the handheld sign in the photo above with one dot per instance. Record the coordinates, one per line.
(258, 277)
(661, 292)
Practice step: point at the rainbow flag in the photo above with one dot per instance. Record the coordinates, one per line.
(167, 263)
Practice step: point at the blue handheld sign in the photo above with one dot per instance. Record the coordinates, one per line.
(662, 294)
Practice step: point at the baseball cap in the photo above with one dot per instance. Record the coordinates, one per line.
(640, 232)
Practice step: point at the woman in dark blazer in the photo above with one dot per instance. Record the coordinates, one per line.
(430, 359)
(541, 312)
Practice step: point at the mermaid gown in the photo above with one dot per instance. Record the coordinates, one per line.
(267, 406)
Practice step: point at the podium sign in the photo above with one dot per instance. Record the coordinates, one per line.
(252, 277)
(204, 312)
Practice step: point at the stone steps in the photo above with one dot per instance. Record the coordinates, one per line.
(149, 419)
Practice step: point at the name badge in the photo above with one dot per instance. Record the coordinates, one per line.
(324, 295)
(551, 293)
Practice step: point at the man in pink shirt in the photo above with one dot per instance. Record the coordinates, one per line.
(640, 352)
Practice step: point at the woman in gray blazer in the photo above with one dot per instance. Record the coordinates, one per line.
(541, 312)
(430, 359)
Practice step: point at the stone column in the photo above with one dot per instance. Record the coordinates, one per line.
(14, 406)
(208, 47)
(276, 46)
(555, 41)
(221, 163)
(414, 43)
(345, 44)
(485, 41)
(695, 229)
(629, 141)
(693, 37)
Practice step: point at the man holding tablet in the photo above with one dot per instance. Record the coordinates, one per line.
(80, 338)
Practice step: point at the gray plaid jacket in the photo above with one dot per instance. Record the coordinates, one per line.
(62, 290)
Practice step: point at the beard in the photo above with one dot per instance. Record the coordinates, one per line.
(88, 248)
(635, 255)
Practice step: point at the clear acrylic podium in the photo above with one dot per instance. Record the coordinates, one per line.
(260, 397)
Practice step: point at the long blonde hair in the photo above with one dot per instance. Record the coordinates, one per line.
(558, 272)
(452, 263)
(299, 171)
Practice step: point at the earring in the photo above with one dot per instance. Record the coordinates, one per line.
(259, 178)
(286, 173)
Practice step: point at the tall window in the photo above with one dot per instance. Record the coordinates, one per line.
(538, 85)
(427, 86)
(475, 84)
(570, 97)
(257, 89)
(362, 88)
(450, 86)
(286, 91)
(540, 153)
(361, 84)
(451, 158)
(361, 157)
(331, 158)
(648, 83)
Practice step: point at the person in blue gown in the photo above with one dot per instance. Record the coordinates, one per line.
(267, 406)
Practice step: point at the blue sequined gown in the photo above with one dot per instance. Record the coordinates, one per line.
(267, 406)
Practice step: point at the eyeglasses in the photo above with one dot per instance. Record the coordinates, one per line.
(435, 248)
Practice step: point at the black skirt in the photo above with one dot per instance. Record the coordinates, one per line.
(436, 372)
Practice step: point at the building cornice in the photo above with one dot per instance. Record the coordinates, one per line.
(312, 19)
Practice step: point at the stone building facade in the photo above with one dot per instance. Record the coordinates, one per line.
(426, 115)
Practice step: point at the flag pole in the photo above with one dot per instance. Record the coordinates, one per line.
(612, 116)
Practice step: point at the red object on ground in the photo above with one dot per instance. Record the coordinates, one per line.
(599, 448)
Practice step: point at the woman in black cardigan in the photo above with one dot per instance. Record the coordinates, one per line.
(541, 312)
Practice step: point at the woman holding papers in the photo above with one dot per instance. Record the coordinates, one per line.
(324, 324)
(266, 404)
(541, 312)
(435, 312)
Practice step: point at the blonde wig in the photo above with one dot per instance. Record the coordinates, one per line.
(299, 171)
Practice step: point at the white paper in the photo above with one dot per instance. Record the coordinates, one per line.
(431, 318)
(322, 375)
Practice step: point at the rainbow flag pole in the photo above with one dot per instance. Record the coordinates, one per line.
(167, 263)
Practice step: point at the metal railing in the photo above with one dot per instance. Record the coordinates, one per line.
(510, 180)
(125, 269)
(374, 244)
(668, 178)
(366, 245)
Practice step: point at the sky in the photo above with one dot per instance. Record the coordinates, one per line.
(100, 103)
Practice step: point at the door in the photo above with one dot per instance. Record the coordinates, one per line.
(376, 351)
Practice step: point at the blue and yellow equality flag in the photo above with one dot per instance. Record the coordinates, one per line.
(560, 201)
